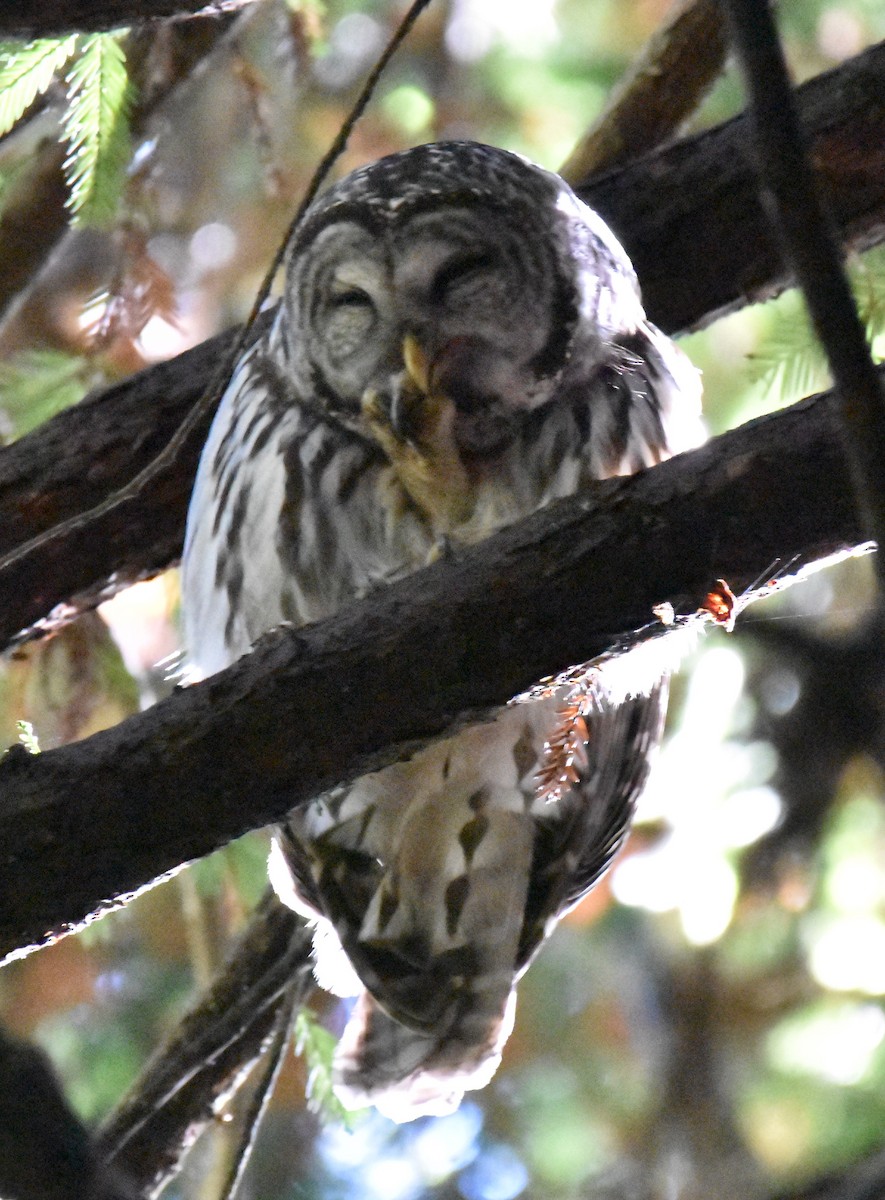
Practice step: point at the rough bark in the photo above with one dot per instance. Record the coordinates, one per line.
(687, 214)
(86, 824)
(49, 18)
(690, 216)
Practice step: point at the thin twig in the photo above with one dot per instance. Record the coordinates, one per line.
(792, 194)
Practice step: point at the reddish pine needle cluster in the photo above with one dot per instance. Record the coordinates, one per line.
(565, 753)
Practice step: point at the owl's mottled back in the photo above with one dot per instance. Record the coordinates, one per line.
(460, 342)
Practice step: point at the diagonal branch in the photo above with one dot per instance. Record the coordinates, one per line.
(690, 216)
(185, 1083)
(790, 189)
(86, 824)
(691, 221)
(658, 93)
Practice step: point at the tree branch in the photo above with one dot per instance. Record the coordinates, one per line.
(661, 89)
(182, 1088)
(50, 18)
(89, 823)
(790, 189)
(688, 215)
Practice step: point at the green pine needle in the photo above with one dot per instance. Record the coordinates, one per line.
(28, 737)
(790, 360)
(317, 1046)
(37, 384)
(26, 71)
(96, 128)
(868, 278)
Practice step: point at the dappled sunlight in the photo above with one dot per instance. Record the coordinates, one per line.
(710, 794)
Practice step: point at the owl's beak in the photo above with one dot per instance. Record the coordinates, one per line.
(449, 387)
(414, 390)
(416, 364)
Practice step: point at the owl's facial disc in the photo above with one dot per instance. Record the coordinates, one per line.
(491, 308)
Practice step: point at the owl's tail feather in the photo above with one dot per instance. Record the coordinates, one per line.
(406, 1073)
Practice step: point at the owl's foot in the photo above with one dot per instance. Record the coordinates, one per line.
(443, 549)
(417, 433)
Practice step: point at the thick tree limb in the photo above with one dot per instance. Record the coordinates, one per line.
(690, 219)
(48, 18)
(88, 823)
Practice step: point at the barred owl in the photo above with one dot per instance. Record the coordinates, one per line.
(460, 341)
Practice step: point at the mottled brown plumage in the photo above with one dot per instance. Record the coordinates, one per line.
(460, 342)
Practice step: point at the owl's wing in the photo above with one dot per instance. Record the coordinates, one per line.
(665, 387)
(575, 846)
(643, 405)
(441, 917)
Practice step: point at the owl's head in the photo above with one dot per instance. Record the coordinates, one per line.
(500, 281)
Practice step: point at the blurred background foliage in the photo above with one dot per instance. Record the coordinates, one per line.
(711, 1021)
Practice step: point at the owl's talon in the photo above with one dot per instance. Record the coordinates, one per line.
(399, 420)
(391, 423)
(416, 432)
(443, 548)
